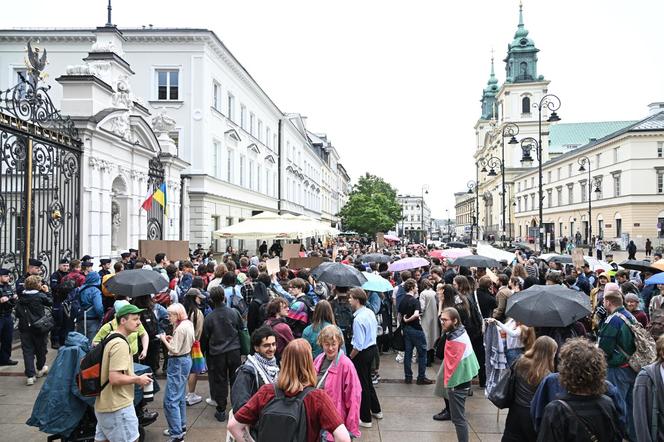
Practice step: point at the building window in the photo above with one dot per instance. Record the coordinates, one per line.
(570, 194)
(525, 105)
(259, 178)
(260, 131)
(569, 170)
(584, 192)
(615, 154)
(216, 159)
(548, 177)
(598, 159)
(660, 181)
(532, 182)
(268, 137)
(231, 107)
(616, 185)
(243, 116)
(251, 175)
(518, 204)
(532, 202)
(20, 77)
(559, 173)
(618, 227)
(168, 84)
(230, 160)
(549, 198)
(559, 196)
(252, 123)
(216, 95)
(242, 171)
(518, 186)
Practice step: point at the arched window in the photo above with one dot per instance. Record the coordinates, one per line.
(525, 105)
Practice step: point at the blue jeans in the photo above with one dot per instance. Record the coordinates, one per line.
(512, 355)
(175, 406)
(623, 379)
(414, 338)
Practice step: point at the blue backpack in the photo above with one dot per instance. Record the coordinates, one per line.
(72, 305)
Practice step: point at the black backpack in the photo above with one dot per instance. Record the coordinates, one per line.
(89, 378)
(343, 316)
(283, 419)
(150, 323)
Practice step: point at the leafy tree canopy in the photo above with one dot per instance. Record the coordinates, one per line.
(372, 206)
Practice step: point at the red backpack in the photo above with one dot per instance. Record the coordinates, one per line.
(89, 377)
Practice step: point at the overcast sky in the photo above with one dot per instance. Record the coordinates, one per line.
(395, 84)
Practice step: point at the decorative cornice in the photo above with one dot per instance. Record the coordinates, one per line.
(101, 165)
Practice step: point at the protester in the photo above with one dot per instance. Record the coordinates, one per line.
(409, 310)
(150, 317)
(301, 308)
(323, 316)
(529, 370)
(30, 308)
(363, 353)
(259, 369)
(632, 304)
(220, 343)
(277, 312)
(343, 315)
(7, 302)
(648, 397)
(485, 300)
(616, 340)
(429, 318)
(459, 368)
(337, 376)
(92, 308)
(179, 365)
(114, 407)
(584, 413)
(519, 338)
(296, 378)
(132, 338)
(192, 304)
(503, 294)
(464, 288)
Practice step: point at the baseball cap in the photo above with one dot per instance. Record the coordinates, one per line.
(128, 309)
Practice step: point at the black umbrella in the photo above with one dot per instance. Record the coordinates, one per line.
(134, 283)
(548, 306)
(475, 261)
(563, 259)
(457, 245)
(641, 266)
(338, 274)
(375, 257)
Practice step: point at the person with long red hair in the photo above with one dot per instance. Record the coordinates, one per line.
(297, 378)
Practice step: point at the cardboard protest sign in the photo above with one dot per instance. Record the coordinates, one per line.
(305, 263)
(272, 266)
(577, 257)
(174, 250)
(291, 251)
(335, 251)
(380, 239)
(493, 276)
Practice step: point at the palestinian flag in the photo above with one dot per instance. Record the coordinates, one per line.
(460, 363)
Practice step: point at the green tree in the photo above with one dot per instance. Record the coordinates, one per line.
(372, 206)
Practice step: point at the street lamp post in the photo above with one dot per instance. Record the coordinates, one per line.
(480, 163)
(510, 130)
(492, 163)
(583, 162)
(424, 192)
(472, 187)
(552, 103)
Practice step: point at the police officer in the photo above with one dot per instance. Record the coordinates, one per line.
(105, 265)
(133, 256)
(34, 268)
(7, 301)
(59, 331)
(124, 258)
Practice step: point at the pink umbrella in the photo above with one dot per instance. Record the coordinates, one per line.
(407, 264)
(391, 238)
(450, 253)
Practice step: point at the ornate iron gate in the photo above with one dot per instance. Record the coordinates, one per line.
(40, 169)
(156, 212)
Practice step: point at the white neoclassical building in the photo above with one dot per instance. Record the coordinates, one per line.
(243, 154)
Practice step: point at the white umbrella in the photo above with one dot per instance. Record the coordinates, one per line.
(492, 252)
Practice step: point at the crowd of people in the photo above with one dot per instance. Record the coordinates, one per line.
(301, 358)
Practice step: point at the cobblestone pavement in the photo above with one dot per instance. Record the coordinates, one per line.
(407, 409)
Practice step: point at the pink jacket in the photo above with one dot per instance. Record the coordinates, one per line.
(343, 387)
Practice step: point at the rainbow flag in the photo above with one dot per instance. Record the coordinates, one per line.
(198, 364)
(460, 363)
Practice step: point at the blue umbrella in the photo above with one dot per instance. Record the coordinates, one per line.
(655, 279)
(376, 283)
